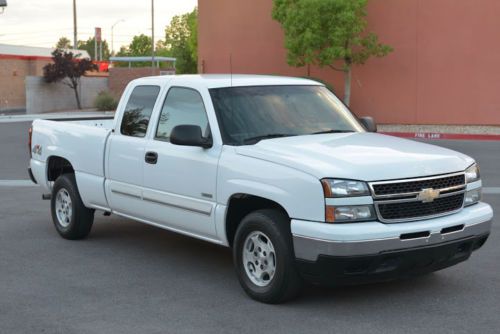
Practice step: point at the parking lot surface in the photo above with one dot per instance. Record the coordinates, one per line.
(131, 278)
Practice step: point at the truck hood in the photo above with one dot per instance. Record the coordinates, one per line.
(359, 156)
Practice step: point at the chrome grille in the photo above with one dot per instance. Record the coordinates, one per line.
(412, 186)
(409, 210)
(400, 200)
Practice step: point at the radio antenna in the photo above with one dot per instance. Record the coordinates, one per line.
(231, 67)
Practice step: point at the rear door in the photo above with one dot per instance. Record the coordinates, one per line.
(180, 184)
(126, 147)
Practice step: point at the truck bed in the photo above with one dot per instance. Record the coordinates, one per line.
(82, 143)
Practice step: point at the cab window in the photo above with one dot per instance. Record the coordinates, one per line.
(138, 111)
(182, 106)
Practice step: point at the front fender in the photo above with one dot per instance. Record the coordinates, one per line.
(300, 194)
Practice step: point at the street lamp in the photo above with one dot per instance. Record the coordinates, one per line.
(113, 36)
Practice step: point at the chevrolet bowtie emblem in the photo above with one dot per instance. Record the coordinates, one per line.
(428, 195)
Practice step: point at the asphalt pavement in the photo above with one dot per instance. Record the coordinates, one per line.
(132, 278)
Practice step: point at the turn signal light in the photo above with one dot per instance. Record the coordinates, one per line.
(349, 214)
(330, 214)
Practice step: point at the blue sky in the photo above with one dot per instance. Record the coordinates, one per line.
(41, 23)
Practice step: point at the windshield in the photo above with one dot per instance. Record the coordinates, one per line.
(247, 115)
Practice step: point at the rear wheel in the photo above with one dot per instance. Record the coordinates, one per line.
(70, 216)
(264, 258)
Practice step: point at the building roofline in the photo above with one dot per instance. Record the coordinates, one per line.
(33, 52)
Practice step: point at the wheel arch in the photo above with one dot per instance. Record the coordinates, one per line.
(241, 204)
(56, 166)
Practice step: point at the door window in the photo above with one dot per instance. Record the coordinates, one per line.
(183, 106)
(138, 111)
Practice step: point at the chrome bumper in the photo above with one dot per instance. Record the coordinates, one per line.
(342, 240)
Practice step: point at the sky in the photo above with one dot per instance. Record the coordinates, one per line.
(41, 23)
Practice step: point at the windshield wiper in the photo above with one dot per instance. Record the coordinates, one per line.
(331, 131)
(256, 139)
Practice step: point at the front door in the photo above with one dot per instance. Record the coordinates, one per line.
(180, 181)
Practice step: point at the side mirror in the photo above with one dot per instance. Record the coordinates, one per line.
(189, 135)
(369, 124)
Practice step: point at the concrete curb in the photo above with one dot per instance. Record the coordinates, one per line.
(60, 115)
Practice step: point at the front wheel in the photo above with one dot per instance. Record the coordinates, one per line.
(264, 258)
(70, 216)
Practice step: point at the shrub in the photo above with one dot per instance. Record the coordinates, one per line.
(105, 101)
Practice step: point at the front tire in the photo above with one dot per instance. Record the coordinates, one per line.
(264, 258)
(71, 218)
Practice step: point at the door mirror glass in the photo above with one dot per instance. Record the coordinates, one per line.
(368, 123)
(189, 135)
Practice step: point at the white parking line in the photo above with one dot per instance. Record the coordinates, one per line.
(491, 190)
(17, 183)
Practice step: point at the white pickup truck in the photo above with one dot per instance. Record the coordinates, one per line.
(276, 168)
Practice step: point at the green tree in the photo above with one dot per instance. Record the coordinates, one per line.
(139, 47)
(181, 40)
(63, 43)
(328, 33)
(89, 46)
(67, 68)
(193, 34)
(161, 49)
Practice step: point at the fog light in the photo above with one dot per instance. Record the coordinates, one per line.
(349, 214)
(472, 197)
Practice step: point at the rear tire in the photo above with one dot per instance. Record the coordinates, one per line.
(71, 218)
(264, 258)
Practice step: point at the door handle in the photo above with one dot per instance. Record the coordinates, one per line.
(151, 158)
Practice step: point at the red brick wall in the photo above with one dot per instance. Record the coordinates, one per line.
(119, 77)
(444, 69)
(12, 85)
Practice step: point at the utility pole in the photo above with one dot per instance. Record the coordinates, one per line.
(153, 36)
(75, 37)
(97, 42)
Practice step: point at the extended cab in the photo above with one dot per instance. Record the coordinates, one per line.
(276, 168)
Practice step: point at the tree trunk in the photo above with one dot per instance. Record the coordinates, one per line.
(347, 86)
(77, 96)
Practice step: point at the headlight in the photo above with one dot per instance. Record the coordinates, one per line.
(344, 188)
(472, 197)
(349, 214)
(472, 173)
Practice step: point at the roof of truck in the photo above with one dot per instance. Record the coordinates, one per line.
(228, 80)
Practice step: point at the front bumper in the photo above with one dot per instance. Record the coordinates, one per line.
(311, 239)
(337, 251)
(386, 266)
